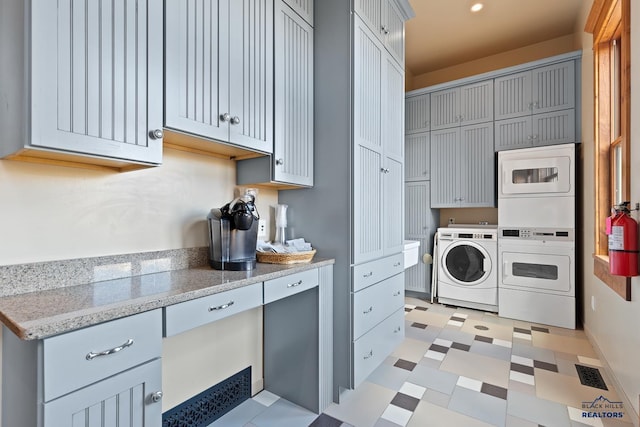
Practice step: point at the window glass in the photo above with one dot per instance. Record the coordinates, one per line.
(534, 175)
(536, 271)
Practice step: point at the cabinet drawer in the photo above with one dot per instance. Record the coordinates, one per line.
(289, 285)
(373, 272)
(76, 359)
(190, 314)
(372, 348)
(376, 303)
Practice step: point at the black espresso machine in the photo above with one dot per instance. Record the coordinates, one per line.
(233, 234)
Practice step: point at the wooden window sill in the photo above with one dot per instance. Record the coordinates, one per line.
(619, 284)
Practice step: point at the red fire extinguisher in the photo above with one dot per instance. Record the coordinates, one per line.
(623, 242)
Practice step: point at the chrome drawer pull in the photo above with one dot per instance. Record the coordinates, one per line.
(397, 264)
(369, 355)
(397, 294)
(368, 274)
(293, 285)
(398, 329)
(221, 307)
(92, 355)
(368, 311)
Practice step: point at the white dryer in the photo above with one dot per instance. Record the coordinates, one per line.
(468, 267)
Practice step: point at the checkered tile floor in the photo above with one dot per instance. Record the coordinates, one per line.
(461, 367)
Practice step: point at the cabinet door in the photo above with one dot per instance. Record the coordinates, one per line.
(553, 87)
(445, 176)
(392, 108)
(304, 8)
(370, 12)
(367, 204)
(96, 84)
(476, 166)
(557, 127)
(417, 150)
(418, 277)
(418, 210)
(417, 114)
(293, 145)
(476, 103)
(392, 30)
(251, 74)
(513, 133)
(196, 71)
(445, 108)
(124, 400)
(513, 95)
(392, 203)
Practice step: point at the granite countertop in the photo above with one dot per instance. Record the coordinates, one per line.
(40, 314)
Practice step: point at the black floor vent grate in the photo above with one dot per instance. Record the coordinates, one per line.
(211, 404)
(591, 377)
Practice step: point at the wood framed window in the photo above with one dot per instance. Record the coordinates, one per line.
(609, 22)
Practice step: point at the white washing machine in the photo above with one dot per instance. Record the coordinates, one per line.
(468, 267)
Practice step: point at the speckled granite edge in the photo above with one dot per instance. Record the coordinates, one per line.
(23, 278)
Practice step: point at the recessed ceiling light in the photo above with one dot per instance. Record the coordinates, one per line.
(477, 7)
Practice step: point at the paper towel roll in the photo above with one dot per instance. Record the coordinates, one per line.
(427, 259)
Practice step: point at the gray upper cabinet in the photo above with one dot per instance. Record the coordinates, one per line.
(304, 8)
(417, 161)
(82, 82)
(417, 114)
(219, 71)
(386, 22)
(463, 167)
(462, 105)
(541, 90)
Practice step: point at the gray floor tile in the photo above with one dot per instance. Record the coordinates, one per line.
(536, 353)
(428, 377)
(491, 350)
(240, 415)
(428, 335)
(390, 377)
(457, 336)
(480, 406)
(384, 423)
(284, 414)
(540, 411)
(437, 398)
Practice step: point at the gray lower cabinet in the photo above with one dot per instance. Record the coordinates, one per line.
(111, 371)
(292, 159)
(81, 82)
(219, 72)
(463, 167)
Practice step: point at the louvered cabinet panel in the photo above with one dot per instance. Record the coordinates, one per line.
(392, 30)
(418, 209)
(477, 166)
(417, 164)
(123, 400)
(513, 133)
(417, 278)
(304, 8)
(476, 103)
(392, 202)
(445, 161)
(553, 87)
(97, 77)
(445, 109)
(196, 87)
(513, 95)
(417, 114)
(370, 12)
(392, 108)
(293, 145)
(367, 221)
(557, 127)
(251, 74)
(367, 87)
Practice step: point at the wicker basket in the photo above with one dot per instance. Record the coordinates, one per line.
(288, 258)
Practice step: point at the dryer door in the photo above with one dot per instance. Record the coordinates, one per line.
(466, 263)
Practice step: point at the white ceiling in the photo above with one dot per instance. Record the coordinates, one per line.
(445, 33)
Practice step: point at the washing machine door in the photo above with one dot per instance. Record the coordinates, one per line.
(466, 263)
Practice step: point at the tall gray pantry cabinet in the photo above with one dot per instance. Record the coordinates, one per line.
(354, 212)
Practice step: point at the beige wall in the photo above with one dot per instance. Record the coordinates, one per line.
(611, 323)
(55, 213)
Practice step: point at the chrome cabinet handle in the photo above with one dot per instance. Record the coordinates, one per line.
(369, 274)
(156, 134)
(368, 355)
(156, 396)
(293, 285)
(221, 307)
(396, 330)
(91, 355)
(279, 162)
(369, 310)
(384, 29)
(397, 264)
(235, 120)
(397, 294)
(384, 170)
(225, 117)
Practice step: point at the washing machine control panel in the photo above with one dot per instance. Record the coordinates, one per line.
(564, 234)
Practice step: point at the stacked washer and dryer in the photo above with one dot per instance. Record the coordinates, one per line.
(536, 235)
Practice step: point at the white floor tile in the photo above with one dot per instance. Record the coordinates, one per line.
(525, 361)
(266, 398)
(523, 378)
(436, 355)
(413, 390)
(502, 343)
(455, 323)
(397, 415)
(469, 383)
(444, 343)
(522, 336)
